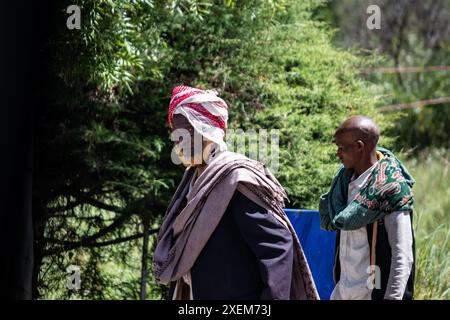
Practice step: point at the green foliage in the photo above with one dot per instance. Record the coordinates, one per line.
(432, 224)
(302, 85)
(104, 128)
(414, 33)
(426, 126)
(106, 169)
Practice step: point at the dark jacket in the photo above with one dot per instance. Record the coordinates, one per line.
(248, 256)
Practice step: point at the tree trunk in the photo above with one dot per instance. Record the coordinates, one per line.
(38, 245)
(24, 27)
(144, 262)
(16, 123)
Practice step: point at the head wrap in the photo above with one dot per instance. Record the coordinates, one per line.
(205, 111)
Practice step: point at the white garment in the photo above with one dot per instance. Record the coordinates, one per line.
(400, 237)
(354, 254)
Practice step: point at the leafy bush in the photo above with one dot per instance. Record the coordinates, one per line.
(103, 175)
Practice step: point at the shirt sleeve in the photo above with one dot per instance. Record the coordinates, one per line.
(270, 241)
(398, 227)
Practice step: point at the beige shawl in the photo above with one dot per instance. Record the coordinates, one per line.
(185, 231)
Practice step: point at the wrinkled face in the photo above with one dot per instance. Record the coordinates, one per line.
(348, 149)
(189, 144)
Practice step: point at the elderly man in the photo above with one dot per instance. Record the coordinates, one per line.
(370, 205)
(225, 235)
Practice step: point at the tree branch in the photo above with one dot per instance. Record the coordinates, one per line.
(70, 245)
(101, 205)
(91, 239)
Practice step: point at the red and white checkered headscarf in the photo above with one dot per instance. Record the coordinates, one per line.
(205, 111)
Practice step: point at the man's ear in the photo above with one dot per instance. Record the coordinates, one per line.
(360, 145)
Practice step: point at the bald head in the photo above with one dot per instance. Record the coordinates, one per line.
(361, 128)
